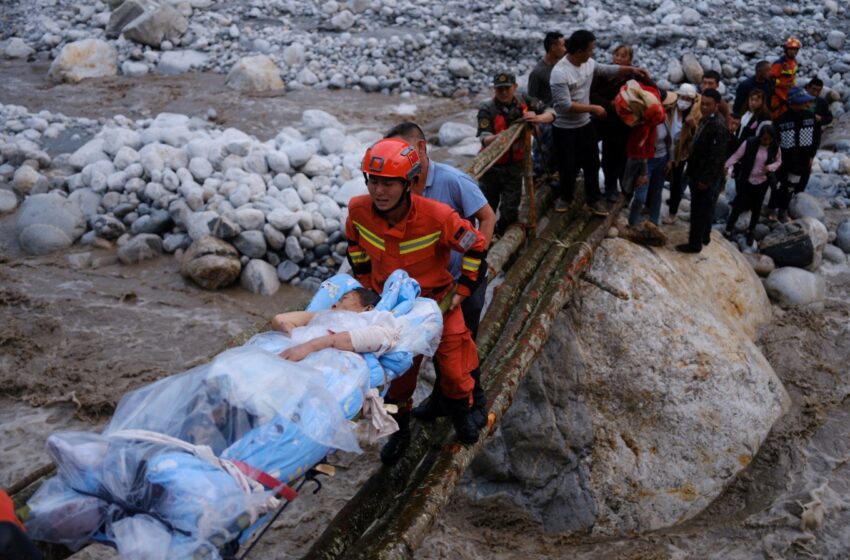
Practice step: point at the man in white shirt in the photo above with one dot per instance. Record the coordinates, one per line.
(575, 141)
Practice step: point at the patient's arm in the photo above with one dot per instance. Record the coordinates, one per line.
(285, 322)
(340, 341)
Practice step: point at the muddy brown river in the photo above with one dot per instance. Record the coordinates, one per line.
(72, 341)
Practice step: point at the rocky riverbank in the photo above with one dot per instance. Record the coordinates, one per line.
(787, 501)
(438, 48)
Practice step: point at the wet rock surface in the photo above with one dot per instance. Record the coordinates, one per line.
(639, 413)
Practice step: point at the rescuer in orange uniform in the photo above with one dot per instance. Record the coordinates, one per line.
(783, 72)
(392, 228)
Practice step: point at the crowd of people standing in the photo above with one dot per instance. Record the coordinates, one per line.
(765, 139)
(437, 223)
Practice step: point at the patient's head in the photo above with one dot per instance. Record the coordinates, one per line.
(357, 300)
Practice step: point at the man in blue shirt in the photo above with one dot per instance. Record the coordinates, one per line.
(455, 188)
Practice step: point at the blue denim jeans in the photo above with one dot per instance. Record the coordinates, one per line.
(650, 191)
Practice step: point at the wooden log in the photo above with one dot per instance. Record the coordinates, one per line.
(529, 179)
(506, 295)
(487, 157)
(411, 523)
(533, 292)
(502, 250)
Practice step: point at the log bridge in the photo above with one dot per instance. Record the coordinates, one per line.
(391, 514)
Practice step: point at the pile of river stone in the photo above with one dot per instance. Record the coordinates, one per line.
(794, 257)
(446, 48)
(264, 212)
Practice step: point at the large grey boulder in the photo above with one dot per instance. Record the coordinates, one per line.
(638, 413)
(260, 277)
(349, 189)
(17, 48)
(177, 62)
(254, 73)
(692, 68)
(453, 133)
(27, 180)
(47, 223)
(88, 58)
(211, 263)
(8, 201)
(804, 205)
(835, 39)
(834, 255)
(460, 67)
(842, 236)
(314, 120)
(795, 286)
(126, 12)
(140, 248)
(299, 153)
(158, 23)
(250, 243)
(108, 227)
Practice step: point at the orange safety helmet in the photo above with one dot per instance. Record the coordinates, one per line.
(793, 43)
(391, 157)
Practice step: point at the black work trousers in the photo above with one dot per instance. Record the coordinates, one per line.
(678, 182)
(703, 203)
(575, 148)
(748, 198)
(613, 156)
(789, 184)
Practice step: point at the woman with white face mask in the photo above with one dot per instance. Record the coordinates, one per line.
(682, 132)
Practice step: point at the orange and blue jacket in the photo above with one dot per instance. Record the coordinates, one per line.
(421, 244)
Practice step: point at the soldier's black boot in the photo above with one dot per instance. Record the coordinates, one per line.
(395, 447)
(462, 420)
(433, 407)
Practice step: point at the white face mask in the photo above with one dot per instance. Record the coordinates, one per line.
(684, 104)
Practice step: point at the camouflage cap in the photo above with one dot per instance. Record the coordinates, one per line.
(504, 79)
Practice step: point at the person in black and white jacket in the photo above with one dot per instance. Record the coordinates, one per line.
(796, 129)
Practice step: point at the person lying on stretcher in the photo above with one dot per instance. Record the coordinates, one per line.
(380, 334)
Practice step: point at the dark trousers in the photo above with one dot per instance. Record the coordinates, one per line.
(780, 197)
(473, 305)
(703, 203)
(575, 148)
(502, 186)
(613, 158)
(678, 182)
(15, 545)
(749, 197)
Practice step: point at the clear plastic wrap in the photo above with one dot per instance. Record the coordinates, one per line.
(156, 482)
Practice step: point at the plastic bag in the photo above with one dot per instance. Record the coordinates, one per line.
(61, 515)
(248, 404)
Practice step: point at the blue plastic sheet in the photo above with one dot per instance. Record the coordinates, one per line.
(155, 483)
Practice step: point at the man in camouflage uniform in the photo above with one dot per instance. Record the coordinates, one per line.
(502, 184)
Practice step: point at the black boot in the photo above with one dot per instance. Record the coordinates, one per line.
(395, 447)
(479, 401)
(462, 420)
(434, 406)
